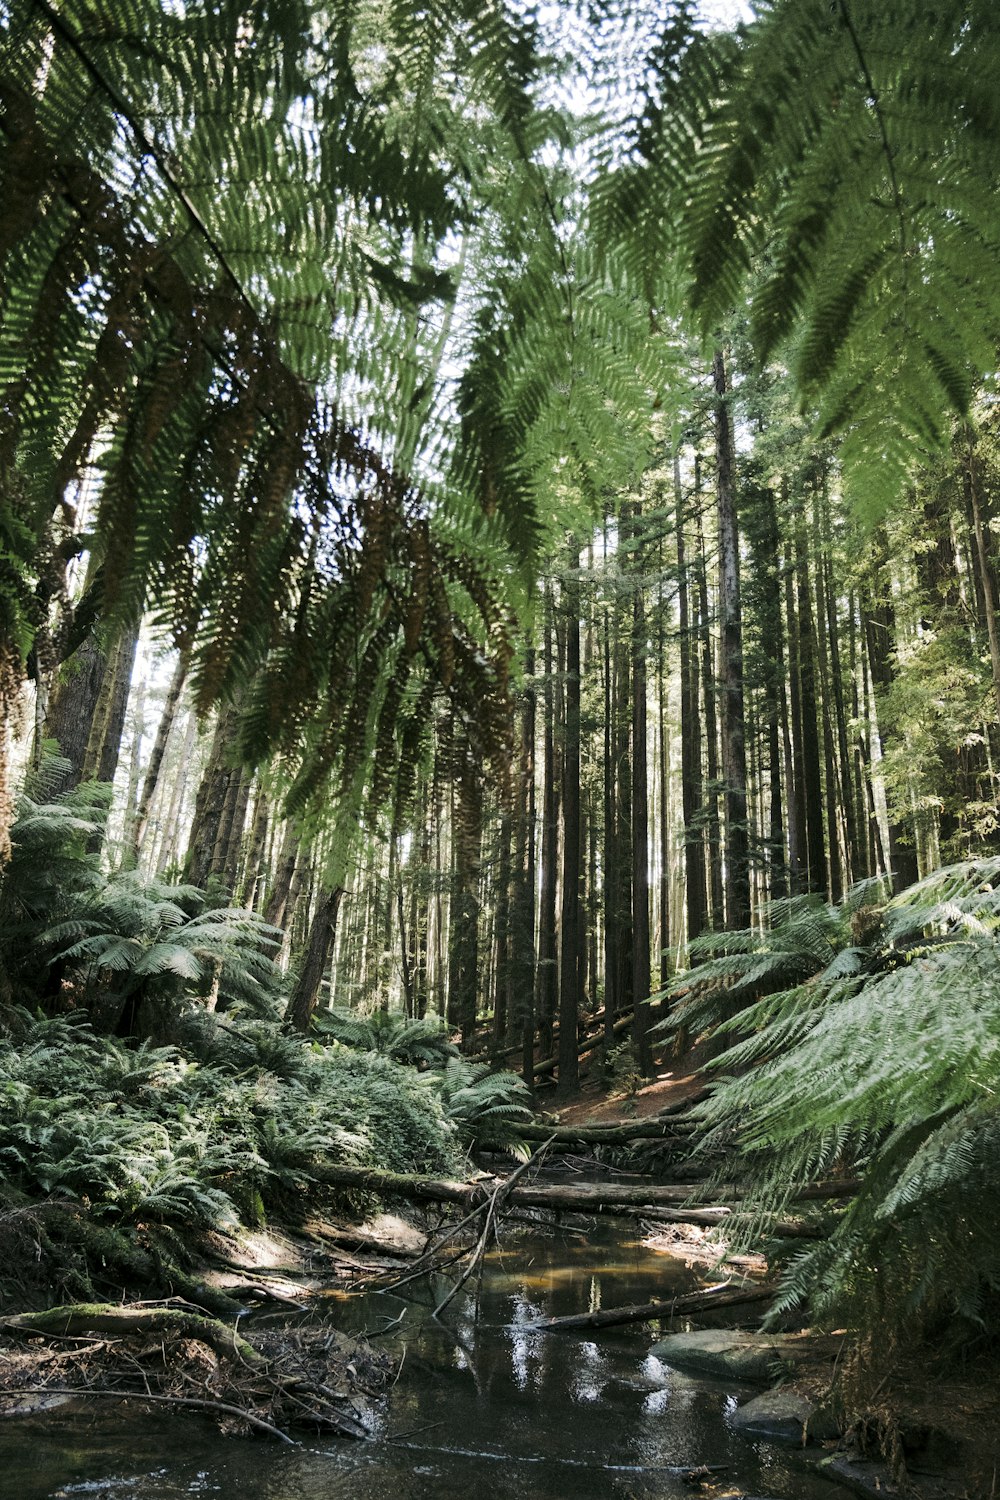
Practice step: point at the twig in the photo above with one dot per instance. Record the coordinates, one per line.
(495, 1201)
(196, 1401)
(424, 1427)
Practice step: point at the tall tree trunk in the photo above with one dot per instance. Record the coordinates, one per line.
(663, 742)
(569, 967)
(985, 570)
(709, 690)
(795, 793)
(691, 781)
(252, 878)
(277, 901)
(812, 780)
(547, 972)
(611, 926)
(316, 960)
(205, 849)
(640, 838)
(880, 636)
(86, 709)
(840, 715)
(734, 760)
(523, 899)
(502, 937)
(463, 958)
(163, 731)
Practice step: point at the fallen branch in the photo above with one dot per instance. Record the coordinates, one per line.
(196, 1401)
(499, 1197)
(691, 1302)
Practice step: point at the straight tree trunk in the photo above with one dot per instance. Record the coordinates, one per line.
(691, 780)
(611, 1000)
(709, 689)
(640, 838)
(812, 779)
(734, 760)
(547, 971)
(569, 967)
(316, 960)
(163, 731)
(522, 956)
(206, 851)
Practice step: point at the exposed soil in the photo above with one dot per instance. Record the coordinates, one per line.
(597, 1103)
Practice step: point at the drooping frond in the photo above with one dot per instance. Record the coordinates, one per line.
(831, 167)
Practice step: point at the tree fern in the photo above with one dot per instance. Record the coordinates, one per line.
(889, 1069)
(828, 163)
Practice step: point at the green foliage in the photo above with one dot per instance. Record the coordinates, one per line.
(72, 934)
(827, 164)
(482, 1104)
(885, 1062)
(803, 938)
(478, 1102)
(422, 1044)
(142, 1135)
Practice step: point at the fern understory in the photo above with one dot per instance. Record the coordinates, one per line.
(864, 1040)
(119, 1151)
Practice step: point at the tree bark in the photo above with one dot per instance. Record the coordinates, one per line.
(163, 731)
(734, 760)
(691, 783)
(640, 837)
(316, 962)
(569, 966)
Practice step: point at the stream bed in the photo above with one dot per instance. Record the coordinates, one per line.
(483, 1405)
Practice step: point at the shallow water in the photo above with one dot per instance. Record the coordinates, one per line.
(484, 1405)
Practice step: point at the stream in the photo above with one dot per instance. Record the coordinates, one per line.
(483, 1405)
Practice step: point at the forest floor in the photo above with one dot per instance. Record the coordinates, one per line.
(944, 1424)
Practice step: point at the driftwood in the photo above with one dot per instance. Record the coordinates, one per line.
(691, 1302)
(104, 1317)
(561, 1197)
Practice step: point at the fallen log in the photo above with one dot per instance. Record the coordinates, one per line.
(561, 1197)
(712, 1218)
(601, 1135)
(107, 1317)
(690, 1302)
(549, 1064)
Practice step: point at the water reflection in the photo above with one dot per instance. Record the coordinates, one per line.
(484, 1401)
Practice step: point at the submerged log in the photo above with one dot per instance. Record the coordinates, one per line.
(106, 1317)
(690, 1302)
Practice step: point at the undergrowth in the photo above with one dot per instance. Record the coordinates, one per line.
(864, 1040)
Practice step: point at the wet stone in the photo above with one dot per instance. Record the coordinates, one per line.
(728, 1354)
(785, 1415)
